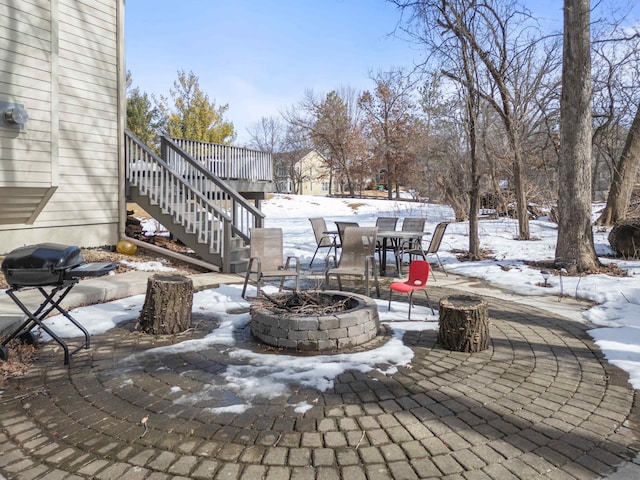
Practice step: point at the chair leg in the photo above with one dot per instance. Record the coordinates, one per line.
(246, 277)
(244, 288)
(390, 293)
(314, 256)
(398, 254)
(258, 284)
(432, 274)
(441, 265)
(429, 302)
(410, 303)
(367, 288)
(375, 278)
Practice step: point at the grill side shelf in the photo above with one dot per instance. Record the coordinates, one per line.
(92, 269)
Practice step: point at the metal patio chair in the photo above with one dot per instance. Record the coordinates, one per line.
(341, 226)
(436, 240)
(385, 224)
(324, 238)
(267, 259)
(411, 246)
(357, 258)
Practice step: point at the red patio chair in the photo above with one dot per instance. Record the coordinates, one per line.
(418, 277)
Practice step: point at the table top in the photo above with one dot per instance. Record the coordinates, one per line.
(400, 234)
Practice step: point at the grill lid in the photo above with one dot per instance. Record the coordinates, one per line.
(43, 256)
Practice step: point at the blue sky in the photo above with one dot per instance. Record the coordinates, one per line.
(260, 56)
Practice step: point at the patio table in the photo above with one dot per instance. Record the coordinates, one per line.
(395, 236)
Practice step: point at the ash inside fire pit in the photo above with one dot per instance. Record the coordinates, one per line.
(314, 320)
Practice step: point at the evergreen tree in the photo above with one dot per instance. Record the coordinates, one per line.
(194, 117)
(143, 119)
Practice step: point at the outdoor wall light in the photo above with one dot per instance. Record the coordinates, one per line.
(545, 274)
(17, 115)
(14, 115)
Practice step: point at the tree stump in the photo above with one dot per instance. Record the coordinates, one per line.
(464, 325)
(625, 238)
(167, 305)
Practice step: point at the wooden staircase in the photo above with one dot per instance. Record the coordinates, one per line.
(200, 209)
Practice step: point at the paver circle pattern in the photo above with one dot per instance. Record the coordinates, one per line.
(541, 402)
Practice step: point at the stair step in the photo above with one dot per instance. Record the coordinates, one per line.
(239, 266)
(237, 242)
(239, 254)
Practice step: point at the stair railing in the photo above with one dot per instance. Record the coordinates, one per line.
(167, 189)
(244, 215)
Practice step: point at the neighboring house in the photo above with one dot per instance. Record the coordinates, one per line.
(62, 64)
(312, 173)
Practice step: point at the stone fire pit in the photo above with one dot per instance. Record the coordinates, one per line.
(313, 329)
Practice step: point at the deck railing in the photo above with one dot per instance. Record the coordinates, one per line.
(229, 163)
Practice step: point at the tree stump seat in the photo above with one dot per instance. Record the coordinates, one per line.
(464, 323)
(167, 305)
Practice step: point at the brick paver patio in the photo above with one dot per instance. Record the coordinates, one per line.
(542, 402)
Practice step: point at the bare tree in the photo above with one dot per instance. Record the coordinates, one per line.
(575, 249)
(441, 148)
(624, 177)
(267, 135)
(461, 61)
(389, 112)
(615, 51)
(616, 117)
(500, 41)
(333, 125)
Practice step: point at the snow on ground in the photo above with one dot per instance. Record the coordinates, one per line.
(616, 317)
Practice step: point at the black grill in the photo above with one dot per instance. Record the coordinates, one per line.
(47, 264)
(42, 266)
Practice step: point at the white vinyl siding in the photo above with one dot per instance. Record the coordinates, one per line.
(64, 67)
(25, 73)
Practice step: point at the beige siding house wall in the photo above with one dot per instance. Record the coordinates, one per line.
(313, 174)
(60, 174)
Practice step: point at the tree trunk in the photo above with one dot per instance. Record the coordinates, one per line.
(472, 101)
(388, 179)
(464, 324)
(167, 305)
(521, 196)
(625, 174)
(456, 195)
(575, 249)
(474, 193)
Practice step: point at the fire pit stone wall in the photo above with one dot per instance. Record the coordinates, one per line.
(319, 333)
